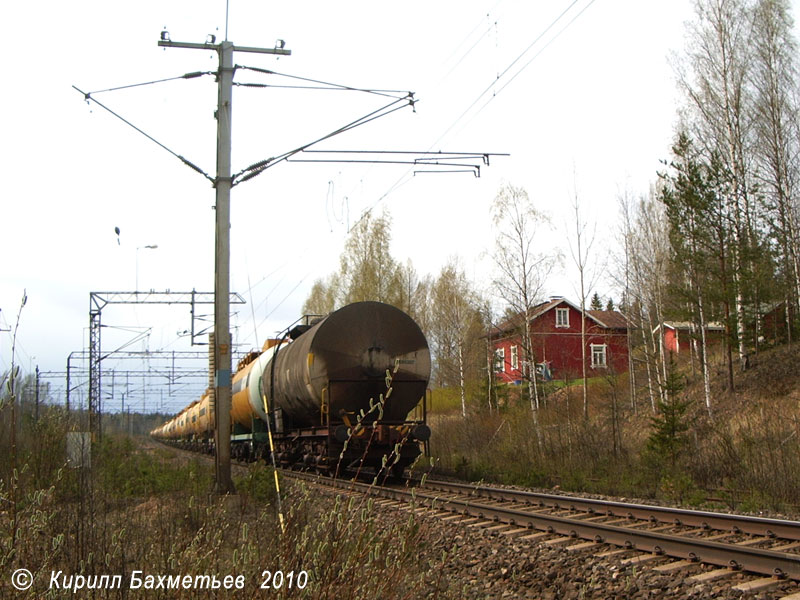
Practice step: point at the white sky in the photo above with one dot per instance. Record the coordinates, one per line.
(594, 111)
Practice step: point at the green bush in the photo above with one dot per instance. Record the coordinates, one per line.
(259, 483)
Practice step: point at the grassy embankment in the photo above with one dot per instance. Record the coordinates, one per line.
(747, 455)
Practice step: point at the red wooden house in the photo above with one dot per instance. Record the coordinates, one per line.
(555, 328)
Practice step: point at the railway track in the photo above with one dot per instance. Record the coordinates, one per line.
(762, 530)
(671, 539)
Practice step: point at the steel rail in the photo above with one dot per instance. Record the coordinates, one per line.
(755, 560)
(761, 526)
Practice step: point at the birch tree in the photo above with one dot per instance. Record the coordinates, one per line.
(322, 298)
(455, 328)
(647, 262)
(414, 294)
(774, 75)
(580, 247)
(625, 235)
(716, 85)
(521, 270)
(368, 271)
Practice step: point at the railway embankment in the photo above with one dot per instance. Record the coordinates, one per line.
(742, 454)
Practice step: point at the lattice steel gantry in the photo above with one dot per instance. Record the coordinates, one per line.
(98, 301)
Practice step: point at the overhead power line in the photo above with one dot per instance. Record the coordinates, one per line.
(535, 56)
(403, 179)
(506, 70)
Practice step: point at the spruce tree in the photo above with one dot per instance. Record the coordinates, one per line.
(668, 441)
(596, 303)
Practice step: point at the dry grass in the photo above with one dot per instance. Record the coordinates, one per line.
(153, 511)
(748, 457)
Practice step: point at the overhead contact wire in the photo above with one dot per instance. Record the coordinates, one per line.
(403, 179)
(298, 87)
(286, 297)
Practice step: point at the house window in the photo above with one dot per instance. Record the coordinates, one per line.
(562, 317)
(514, 358)
(598, 356)
(500, 360)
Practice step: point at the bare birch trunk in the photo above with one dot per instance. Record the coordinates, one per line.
(704, 348)
(461, 380)
(650, 390)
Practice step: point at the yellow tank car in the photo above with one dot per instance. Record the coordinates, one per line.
(204, 416)
(193, 427)
(247, 403)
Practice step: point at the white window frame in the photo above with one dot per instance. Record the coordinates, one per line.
(515, 357)
(602, 350)
(499, 360)
(562, 312)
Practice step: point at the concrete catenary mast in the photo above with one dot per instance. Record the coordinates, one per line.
(222, 183)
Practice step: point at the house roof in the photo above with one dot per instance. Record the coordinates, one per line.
(609, 319)
(512, 322)
(687, 326)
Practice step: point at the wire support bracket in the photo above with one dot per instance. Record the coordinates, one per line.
(437, 161)
(89, 98)
(259, 167)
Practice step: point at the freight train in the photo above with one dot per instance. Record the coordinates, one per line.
(342, 391)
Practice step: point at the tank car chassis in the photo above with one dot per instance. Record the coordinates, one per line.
(342, 443)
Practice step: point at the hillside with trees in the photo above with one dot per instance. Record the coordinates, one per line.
(713, 246)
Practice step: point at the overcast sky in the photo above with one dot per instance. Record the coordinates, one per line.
(589, 106)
